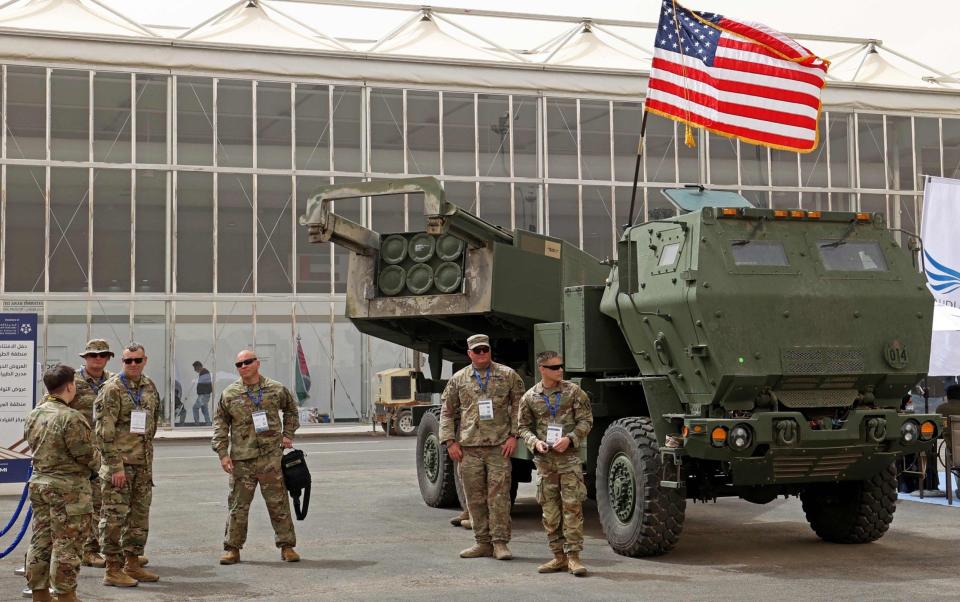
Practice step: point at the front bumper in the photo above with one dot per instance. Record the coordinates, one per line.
(867, 442)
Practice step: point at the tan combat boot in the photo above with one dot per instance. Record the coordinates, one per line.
(230, 556)
(574, 565)
(43, 595)
(69, 597)
(116, 577)
(144, 561)
(467, 524)
(477, 550)
(289, 555)
(93, 559)
(132, 568)
(501, 551)
(559, 563)
(456, 520)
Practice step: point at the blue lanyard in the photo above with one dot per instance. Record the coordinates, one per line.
(259, 396)
(482, 384)
(136, 397)
(95, 387)
(552, 408)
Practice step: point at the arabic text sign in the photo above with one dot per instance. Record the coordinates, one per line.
(18, 378)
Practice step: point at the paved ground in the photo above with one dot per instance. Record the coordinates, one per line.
(369, 536)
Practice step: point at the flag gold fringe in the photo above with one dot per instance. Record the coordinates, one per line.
(688, 137)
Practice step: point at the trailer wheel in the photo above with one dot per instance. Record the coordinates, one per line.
(639, 517)
(852, 511)
(434, 466)
(403, 424)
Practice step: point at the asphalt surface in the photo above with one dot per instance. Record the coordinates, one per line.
(369, 536)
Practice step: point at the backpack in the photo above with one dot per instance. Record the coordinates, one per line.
(296, 477)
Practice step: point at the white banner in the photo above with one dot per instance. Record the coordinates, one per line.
(941, 255)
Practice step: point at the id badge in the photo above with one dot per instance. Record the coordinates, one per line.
(554, 434)
(260, 424)
(485, 407)
(138, 422)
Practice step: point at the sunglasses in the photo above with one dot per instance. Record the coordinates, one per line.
(245, 362)
(552, 367)
(101, 355)
(481, 350)
(133, 360)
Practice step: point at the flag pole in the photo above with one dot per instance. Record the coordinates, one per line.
(636, 168)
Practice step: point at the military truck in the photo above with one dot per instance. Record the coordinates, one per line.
(397, 395)
(728, 351)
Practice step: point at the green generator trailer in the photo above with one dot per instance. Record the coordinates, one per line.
(729, 351)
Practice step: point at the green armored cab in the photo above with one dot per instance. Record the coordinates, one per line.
(730, 351)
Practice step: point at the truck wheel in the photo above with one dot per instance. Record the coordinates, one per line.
(639, 517)
(852, 511)
(404, 424)
(434, 466)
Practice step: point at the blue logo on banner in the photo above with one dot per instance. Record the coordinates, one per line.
(942, 279)
(18, 366)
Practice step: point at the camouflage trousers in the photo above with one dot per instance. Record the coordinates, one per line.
(92, 543)
(486, 476)
(59, 519)
(561, 496)
(125, 513)
(266, 471)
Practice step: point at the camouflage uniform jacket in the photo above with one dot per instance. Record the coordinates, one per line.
(574, 414)
(88, 388)
(460, 406)
(115, 402)
(233, 419)
(62, 444)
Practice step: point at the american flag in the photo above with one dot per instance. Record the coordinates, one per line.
(735, 78)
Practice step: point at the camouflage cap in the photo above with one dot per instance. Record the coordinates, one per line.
(477, 340)
(96, 346)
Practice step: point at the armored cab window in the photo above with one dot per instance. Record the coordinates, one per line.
(849, 256)
(758, 252)
(668, 256)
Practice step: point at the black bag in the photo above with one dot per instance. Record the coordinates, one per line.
(296, 477)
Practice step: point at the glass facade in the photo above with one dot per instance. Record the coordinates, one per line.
(163, 208)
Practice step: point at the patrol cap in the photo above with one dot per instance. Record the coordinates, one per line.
(96, 346)
(477, 340)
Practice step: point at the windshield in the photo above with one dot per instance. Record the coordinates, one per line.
(849, 256)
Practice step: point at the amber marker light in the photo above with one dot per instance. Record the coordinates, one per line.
(718, 436)
(698, 428)
(780, 213)
(686, 431)
(927, 430)
(798, 214)
(863, 216)
(728, 212)
(814, 214)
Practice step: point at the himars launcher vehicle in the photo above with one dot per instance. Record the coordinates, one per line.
(728, 351)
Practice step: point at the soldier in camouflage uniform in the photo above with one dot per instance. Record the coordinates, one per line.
(63, 461)
(249, 438)
(127, 410)
(89, 379)
(483, 398)
(555, 418)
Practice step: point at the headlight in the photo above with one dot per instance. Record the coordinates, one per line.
(740, 437)
(910, 431)
(927, 430)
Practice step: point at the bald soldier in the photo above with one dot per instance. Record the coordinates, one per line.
(249, 437)
(483, 398)
(89, 379)
(127, 411)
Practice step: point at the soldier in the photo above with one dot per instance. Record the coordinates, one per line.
(63, 460)
(89, 379)
(127, 410)
(484, 397)
(555, 418)
(249, 438)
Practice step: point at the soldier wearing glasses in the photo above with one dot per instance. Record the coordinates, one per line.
(555, 418)
(249, 437)
(89, 379)
(483, 398)
(127, 410)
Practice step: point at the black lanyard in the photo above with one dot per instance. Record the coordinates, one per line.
(135, 397)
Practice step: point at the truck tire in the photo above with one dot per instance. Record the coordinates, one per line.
(852, 511)
(434, 466)
(403, 425)
(639, 517)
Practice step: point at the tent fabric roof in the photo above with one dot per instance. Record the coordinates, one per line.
(450, 47)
